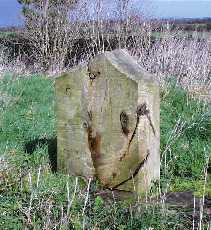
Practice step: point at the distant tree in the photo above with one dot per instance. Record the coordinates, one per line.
(48, 29)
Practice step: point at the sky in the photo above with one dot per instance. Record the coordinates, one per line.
(9, 13)
(10, 9)
(182, 8)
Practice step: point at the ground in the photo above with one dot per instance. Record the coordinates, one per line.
(34, 196)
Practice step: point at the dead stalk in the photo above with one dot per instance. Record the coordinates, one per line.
(38, 176)
(70, 202)
(203, 196)
(87, 197)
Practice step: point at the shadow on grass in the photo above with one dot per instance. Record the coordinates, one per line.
(31, 146)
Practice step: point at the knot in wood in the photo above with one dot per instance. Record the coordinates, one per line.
(124, 119)
(142, 110)
(92, 76)
(85, 125)
(68, 91)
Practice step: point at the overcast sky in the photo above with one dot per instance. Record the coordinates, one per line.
(10, 9)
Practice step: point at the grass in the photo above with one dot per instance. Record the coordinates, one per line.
(32, 197)
(7, 34)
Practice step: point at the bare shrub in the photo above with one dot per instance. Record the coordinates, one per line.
(174, 55)
(11, 65)
(64, 34)
(49, 31)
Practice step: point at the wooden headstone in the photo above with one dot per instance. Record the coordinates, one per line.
(108, 123)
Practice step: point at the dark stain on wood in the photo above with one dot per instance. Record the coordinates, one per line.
(114, 174)
(94, 145)
(94, 141)
(124, 120)
(143, 111)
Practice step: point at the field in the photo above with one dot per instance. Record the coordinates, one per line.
(205, 35)
(34, 196)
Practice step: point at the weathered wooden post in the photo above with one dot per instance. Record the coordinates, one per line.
(109, 123)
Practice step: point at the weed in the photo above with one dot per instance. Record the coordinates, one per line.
(33, 197)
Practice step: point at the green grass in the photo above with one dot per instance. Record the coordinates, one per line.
(186, 147)
(190, 142)
(32, 197)
(7, 34)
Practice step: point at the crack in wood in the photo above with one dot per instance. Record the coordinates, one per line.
(138, 168)
(150, 123)
(134, 132)
(94, 141)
